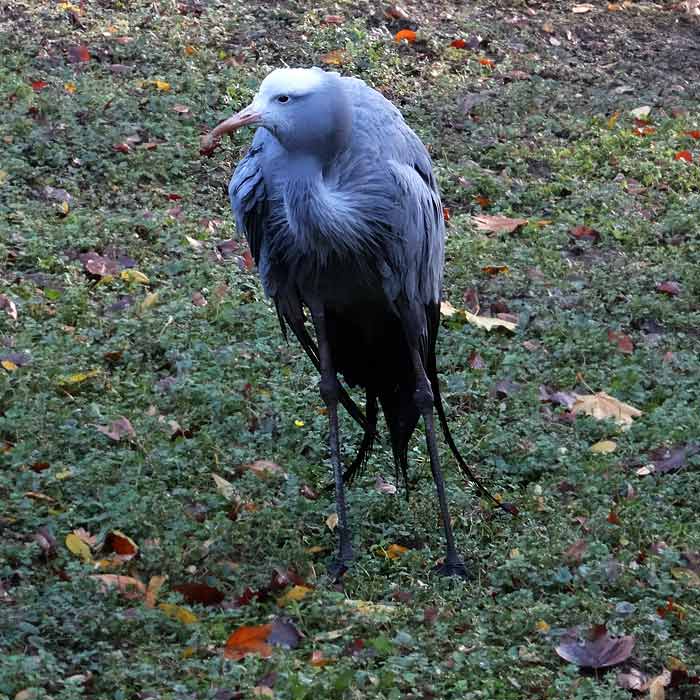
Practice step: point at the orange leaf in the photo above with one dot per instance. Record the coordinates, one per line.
(249, 640)
(459, 44)
(643, 130)
(687, 156)
(445, 213)
(495, 269)
(131, 588)
(406, 35)
(487, 62)
(335, 58)
(154, 586)
(482, 201)
(318, 659)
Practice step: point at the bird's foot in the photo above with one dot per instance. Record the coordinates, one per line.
(452, 567)
(341, 562)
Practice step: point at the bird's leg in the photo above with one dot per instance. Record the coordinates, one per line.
(330, 392)
(453, 564)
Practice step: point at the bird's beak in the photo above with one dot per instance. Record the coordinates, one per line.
(250, 115)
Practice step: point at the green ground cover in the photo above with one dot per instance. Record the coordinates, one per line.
(126, 294)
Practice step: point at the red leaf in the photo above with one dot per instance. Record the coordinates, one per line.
(248, 260)
(584, 233)
(119, 543)
(624, 342)
(695, 133)
(613, 518)
(687, 156)
(669, 287)
(78, 54)
(459, 44)
(487, 62)
(406, 34)
(199, 593)
(39, 85)
(121, 147)
(173, 197)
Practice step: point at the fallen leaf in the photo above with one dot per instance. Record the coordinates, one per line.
(76, 546)
(121, 544)
(131, 588)
(338, 57)
(542, 627)
(333, 19)
(458, 44)
(488, 63)
(695, 133)
(393, 551)
(612, 119)
(575, 552)
(118, 429)
(494, 270)
(599, 651)
(488, 323)
(225, 488)
(686, 576)
(177, 612)
(194, 243)
(669, 287)
(657, 685)
(624, 342)
(83, 535)
(381, 485)
(262, 468)
(39, 85)
(294, 594)
(78, 54)
(601, 406)
(498, 223)
(604, 447)
(365, 607)
(396, 12)
(78, 377)
(585, 233)
(133, 276)
(161, 85)
(640, 112)
(584, 7)
(447, 310)
(198, 299)
(319, 660)
(181, 109)
(9, 365)
(406, 35)
(475, 361)
(70, 87)
(633, 680)
(332, 521)
(686, 156)
(9, 306)
(199, 593)
(154, 585)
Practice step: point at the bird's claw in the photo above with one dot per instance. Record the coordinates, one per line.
(455, 567)
(340, 563)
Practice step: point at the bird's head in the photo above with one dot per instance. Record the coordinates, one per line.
(306, 110)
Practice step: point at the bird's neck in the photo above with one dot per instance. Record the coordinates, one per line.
(323, 217)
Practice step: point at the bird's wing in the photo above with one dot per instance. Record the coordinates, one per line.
(248, 198)
(413, 251)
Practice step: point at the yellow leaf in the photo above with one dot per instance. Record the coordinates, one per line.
(9, 365)
(332, 521)
(161, 85)
(601, 406)
(149, 301)
(335, 58)
(63, 474)
(294, 594)
(687, 576)
(79, 377)
(70, 87)
(225, 488)
(133, 276)
(187, 652)
(448, 311)
(365, 607)
(315, 549)
(177, 612)
(612, 119)
(488, 323)
(542, 627)
(657, 686)
(3, 177)
(299, 423)
(604, 447)
(76, 546)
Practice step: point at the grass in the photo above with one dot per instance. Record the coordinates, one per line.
(543, 148)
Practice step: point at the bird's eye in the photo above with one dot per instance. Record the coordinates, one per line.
(283, 98)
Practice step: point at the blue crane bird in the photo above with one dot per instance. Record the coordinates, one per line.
(339, 204)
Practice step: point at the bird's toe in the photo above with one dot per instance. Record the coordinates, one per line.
(453, 568)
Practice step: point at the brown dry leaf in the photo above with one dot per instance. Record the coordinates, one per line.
(332, 521)
(9, 306)
(262, 468)
(339, 57)
(130, 587)
(393, 551)
(249, 640)
(601, 406)
(634, 680)
(497, 223)
(599, 651)
(575, 552)
(121, 544)
(657, 685)
(118, 429)
(494, 270)
(199, 593)
(154, 586)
